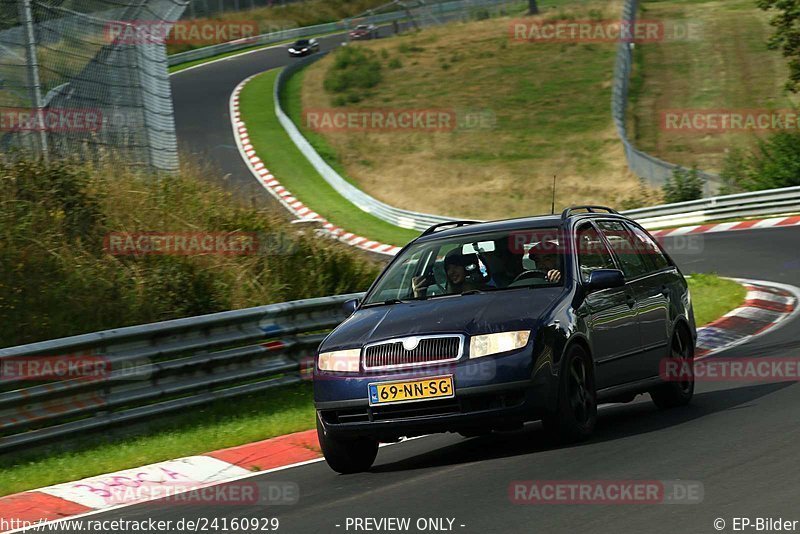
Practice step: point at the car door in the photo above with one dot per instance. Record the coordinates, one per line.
(647, 286)
(610, 314)
(654, 292)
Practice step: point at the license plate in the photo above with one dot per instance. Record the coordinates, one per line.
(439, 387)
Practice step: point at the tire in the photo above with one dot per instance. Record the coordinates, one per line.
(347, 456)
(576, 413)
(678, 393)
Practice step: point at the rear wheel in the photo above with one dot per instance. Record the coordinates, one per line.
(679, 392)
(576, 414)
(347, 455)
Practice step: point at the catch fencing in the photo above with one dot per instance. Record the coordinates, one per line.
(70, 87)
(653, 170)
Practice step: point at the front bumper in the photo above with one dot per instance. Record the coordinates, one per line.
(491, 392)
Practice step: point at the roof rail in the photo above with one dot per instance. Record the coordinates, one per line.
(456, 224)
(591, 209)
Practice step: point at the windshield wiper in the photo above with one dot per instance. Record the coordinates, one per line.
(475, 292)
(387, 302)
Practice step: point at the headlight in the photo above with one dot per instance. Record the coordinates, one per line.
(345, 361)
(495, 343)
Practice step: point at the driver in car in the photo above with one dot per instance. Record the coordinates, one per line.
(455, 265)
(545, 254)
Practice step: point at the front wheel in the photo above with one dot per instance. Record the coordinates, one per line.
(576, 413)
(677, 392)
(347, 456)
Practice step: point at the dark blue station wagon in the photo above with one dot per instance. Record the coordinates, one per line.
(477, 327)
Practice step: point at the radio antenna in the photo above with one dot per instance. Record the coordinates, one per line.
(553, 205)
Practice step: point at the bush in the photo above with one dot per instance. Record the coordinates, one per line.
(395, 63)
(57, 278)
(643, 196)
(354, 71)
(774, 163)
(684, 185)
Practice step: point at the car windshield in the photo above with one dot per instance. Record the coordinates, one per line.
(472, 263)
(302, 42)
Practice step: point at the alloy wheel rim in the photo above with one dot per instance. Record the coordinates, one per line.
(580, 397)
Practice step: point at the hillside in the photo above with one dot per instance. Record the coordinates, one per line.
(542, 109)
(727, 67)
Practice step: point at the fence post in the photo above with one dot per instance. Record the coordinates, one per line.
(34, 82)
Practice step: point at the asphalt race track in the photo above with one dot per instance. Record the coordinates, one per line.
(201, 97)
(739, 440)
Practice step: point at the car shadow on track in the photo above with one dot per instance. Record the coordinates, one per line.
(614, 422)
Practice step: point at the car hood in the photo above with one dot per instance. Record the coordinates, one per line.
(468, 314)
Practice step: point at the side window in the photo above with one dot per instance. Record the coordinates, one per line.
(624, 245)
(646, 246)
(592, 252)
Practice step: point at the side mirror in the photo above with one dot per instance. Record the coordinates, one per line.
(605, 279)
(349, 306)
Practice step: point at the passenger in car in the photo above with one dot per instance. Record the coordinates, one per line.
(463, 274)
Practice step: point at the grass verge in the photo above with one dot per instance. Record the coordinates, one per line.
(713, 297)
(293, 170)
(273, 413)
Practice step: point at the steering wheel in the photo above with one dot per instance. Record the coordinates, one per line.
(534, 273)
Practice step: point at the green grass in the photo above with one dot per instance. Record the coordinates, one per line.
(293, 170)
(713, 297)
(217, 426)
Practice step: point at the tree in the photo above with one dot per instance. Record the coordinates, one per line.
(533, 8)
(787, 35)
(773, 163)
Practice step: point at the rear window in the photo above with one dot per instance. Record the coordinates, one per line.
(626, 249)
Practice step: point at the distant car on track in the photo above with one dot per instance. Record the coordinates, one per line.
(476, 327)
(363, 32)
(303, 47)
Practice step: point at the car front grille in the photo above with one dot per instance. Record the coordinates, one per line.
(413, 351)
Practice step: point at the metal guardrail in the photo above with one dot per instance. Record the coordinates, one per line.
(396, 216)
(156, 369)
(757, 203)
(649, 168)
